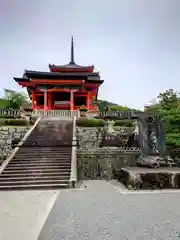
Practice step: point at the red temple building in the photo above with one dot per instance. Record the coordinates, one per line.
(64, 87)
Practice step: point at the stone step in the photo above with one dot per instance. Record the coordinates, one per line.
(35, 181)
(26, 178)
(50, 139)
(45, 158)
(38, 158)
(46, 152)
(43, 167)
(34, 174)
(43, 148)
(36, 161)
(30, 154)
(34, 186)
(48, 131)
(52, 135)
(34, 170)
(40, 164)
(36, 147)
(46, 148)
(63, 144)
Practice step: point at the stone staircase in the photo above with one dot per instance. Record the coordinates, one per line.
(44, 159)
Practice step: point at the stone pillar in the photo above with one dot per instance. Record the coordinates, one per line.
(45, 99)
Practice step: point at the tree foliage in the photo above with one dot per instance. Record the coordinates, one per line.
(168, 108)
(169, 100)
(119, 108)
(111, 106)
(13, 99)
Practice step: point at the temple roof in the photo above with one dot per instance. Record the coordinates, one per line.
(71, 71)
(30, 73)
(90, 77)
(71, 66)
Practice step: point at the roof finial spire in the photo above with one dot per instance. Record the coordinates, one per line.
(72, 50)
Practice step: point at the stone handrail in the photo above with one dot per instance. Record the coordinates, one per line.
(11, 112)
(56, 113)
(73, 175)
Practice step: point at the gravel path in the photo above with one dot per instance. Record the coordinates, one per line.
(100, 212)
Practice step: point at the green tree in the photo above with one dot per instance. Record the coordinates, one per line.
(168, 108)
(118, 108)
(171, 120)
(169, 100)
(153, 108)
(15, 99)
(111, 106)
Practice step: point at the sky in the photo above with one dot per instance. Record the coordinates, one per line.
(135, 44)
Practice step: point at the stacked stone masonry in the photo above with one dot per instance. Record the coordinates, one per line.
(95, 162)
(7, 135)
(91, 137)
(91, 158)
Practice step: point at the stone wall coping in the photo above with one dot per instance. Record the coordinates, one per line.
(13, 127)
(78, 127)
(108, 151)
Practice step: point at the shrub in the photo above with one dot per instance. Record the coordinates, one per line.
(124, 122)
(2, 157)
(90, 122)
(32, 121)
(15, 142)
(14, 122)
(96, 122)
(17, 122)
(83, 109)
(6, 116)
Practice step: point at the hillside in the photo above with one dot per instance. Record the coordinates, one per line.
(106, 103)
(102, 104)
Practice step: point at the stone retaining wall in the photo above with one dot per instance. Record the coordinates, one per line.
(100, 162)
(94, 162)
(90, 137)
(7, 134)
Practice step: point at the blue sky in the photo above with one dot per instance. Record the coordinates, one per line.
(134, 43)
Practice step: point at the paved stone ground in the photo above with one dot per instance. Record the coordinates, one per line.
(101, 212)
(22, 213)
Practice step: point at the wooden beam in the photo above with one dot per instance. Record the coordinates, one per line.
(46, 81)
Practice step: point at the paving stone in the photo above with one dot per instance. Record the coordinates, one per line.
(101, 212)
(22, 213)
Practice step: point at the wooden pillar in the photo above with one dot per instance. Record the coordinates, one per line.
(45, 99)
(87, 101)
(72, 100)
(33, 100)
(50, 100)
